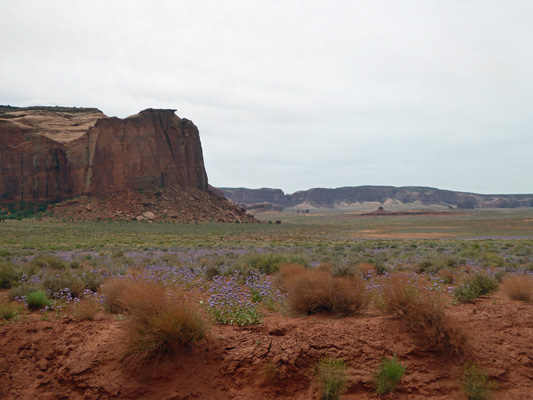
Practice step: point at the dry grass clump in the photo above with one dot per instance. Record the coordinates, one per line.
(112, 290)
(159, 325)
(398, 294)
(518, 287)
(423, 313)
(312, 291)
(447, 275)
(366, 268)
(287, 273)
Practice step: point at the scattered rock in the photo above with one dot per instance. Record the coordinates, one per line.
(149, 215)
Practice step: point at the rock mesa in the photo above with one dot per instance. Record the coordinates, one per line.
(52, 154)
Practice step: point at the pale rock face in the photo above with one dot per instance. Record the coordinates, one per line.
(49, 154)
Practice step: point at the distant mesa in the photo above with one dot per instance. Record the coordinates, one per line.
(367, 197)
(148, 166)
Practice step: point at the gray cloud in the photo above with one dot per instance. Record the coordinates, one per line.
(296, 94)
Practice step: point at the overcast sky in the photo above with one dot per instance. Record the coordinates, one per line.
(299, 94)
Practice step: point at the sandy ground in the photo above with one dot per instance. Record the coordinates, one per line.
(69, 359)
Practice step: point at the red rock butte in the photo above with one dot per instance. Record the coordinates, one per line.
(148, 166)
(53, 154)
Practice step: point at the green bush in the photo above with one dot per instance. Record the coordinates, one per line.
(37, 300)
(484, 283)
(388, 375)
(465, 294)
(91, 281)
(9, 273)
(474, 287)
(63, 280)
(49, 261)
(332, 376)
(476, 383)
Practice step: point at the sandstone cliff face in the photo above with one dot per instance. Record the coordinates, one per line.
(154, 148)
(49, 154)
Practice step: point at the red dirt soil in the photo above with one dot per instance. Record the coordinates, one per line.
(69, 359)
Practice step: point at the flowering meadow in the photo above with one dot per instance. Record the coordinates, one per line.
(236, 285)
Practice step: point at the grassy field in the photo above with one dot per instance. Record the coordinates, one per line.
(295, 230)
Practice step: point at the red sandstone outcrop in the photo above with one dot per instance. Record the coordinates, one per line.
(51, 154)
(154, 148)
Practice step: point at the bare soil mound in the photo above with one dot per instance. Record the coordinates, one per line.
(169, 204)
(69, 359)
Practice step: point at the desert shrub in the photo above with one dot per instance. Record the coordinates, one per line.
(399, 293)
(490, 259)
(211, 270)
(288, 272)
(9, 273)
(49, 261)
(436, 263)
(388, 375)
(380, 267)
(447, 275)
(332, 376)
(311, 291)
(112, 291)
(22, 290)
(518, 287)
(465, 294)
(427, 265)
(422, 312)
(366, 268)
(8, 311)
(476, 383)
(91, 280)
(475, 286)
(269, 263)
(344, 269)
(58, 282)
(159, 324)
(485, 284)
(522, 250)
(38, 300)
